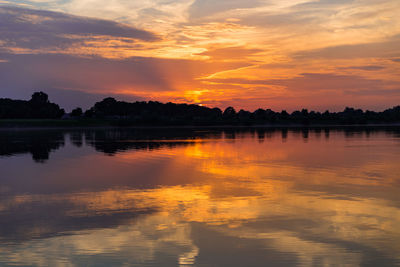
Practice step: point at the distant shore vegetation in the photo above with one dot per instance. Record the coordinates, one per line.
(111, 112)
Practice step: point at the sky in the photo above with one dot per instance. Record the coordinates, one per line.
(278, 54)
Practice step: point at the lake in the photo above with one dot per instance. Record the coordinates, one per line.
(200, 197)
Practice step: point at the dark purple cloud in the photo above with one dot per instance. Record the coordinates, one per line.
(33, 29)
(366, 68)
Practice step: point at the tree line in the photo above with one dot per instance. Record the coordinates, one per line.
(38, 107)
(155, 113)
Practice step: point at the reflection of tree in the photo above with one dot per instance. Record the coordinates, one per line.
(114, 141)
(77, 138)
(111, 141)
(37, 143)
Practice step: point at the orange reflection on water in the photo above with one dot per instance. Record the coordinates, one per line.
(329, 199)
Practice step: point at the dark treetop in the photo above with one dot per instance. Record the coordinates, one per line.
(39, 107)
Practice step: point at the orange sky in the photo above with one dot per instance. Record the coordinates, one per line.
(248, 54)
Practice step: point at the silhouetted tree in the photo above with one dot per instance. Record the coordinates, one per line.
(89, 113)
(245, 117)
(259, 114)
(76, 112)
(38, 107)
(39, 98)
(229, 114)
(284, 116)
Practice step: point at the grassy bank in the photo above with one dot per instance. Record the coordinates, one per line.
(38, 123)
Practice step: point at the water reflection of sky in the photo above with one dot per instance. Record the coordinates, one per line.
(202, 198)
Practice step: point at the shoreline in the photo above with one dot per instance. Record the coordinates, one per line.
(21, 127)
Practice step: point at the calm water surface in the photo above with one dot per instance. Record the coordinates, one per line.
(200, 198)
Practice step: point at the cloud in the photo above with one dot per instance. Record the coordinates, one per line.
(366, 68)
(314, 82)
(230, 53)
(291, 19)
(35, 29)
(323, 4)
(387, 48)
(204, 8)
